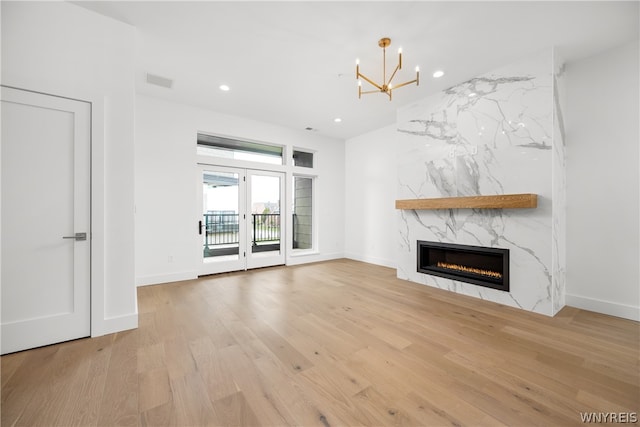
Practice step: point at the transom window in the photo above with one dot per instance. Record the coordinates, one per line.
(230, 148)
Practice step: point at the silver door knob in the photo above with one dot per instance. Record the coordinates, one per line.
(77, 236)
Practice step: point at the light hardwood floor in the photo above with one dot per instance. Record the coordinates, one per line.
(328, 344)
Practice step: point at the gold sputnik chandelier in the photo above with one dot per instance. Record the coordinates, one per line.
(386, 86)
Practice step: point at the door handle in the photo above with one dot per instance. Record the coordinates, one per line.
(77, 237)
(199, 227)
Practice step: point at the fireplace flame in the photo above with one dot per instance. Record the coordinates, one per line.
(480, 271)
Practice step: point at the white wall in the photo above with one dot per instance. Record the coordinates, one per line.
(166, 186)
(603, 183)
(370, 193)
(62, 49)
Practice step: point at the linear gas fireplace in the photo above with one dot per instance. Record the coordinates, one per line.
(473, 264)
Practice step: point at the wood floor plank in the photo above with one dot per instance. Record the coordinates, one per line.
(84, 408)
(26, 383)
(383, 409)
(332, 343)
(247, 380)
(215, 372)
(56, 399)
(288, 397)
(177, 356)
(10, 364)
(119, 405)
(154, 389)
(334, 388)
(234, 410)
(192, 403)
(159, 416)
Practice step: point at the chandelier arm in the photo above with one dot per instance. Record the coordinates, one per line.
(369, 91)
(369, 81)
(405, 83)
(394, 74)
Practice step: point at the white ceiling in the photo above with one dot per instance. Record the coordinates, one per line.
(293, 63)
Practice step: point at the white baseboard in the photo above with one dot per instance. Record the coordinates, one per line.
(302, 258)
(605, 307)
(371, 260)
(166, 278)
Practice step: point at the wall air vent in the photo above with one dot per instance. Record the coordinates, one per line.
(154, 79)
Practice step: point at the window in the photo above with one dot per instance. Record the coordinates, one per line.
(302, 212)
(302, 159)
(229, 148)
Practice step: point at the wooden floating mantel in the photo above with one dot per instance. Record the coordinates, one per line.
(504, 201)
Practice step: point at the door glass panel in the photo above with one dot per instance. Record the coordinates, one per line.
(265, 214)
(221, 216)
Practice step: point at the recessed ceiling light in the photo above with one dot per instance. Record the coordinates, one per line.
(438, 74)
(224, 88)
(337, 120)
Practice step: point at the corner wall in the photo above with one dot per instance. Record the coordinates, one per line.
(370, 190)
(603, 182)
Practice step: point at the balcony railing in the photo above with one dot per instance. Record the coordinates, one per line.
(266, 228)
(222, 231)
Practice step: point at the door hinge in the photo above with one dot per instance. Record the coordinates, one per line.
(244, 254)
(244, 178)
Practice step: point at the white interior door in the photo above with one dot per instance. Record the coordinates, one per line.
(239, 222)
(46, 146)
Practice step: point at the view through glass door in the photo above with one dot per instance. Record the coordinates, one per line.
(240, 225)
(265, 190)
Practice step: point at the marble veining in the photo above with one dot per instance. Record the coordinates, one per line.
(493, 134)
(559, 218)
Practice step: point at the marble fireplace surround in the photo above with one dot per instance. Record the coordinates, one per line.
(487, 140)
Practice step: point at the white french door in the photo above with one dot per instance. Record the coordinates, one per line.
(265, 214)
(240, 225)
(46, 146)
